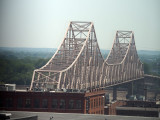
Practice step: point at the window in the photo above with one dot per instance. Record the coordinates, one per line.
(102, 112)
(99, 101)
(91, 103)
(1, 102)
(94, 103)
(9, 102)
(28, 103)
(20, 103)
(54, 103)
(78, 104)
(102, 101)
(71, 104)
(36, 103)
(62, 104)
(87, 105)
(44, 103)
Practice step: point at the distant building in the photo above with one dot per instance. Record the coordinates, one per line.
(133, 97)
(133, 108)
(71, 101)
(8, 87)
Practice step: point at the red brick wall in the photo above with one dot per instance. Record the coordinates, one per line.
(95, 101)
(41, 95)
(97, 95)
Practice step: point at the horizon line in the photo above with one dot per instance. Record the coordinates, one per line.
(57, 48)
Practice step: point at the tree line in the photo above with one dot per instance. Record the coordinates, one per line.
(19, 70)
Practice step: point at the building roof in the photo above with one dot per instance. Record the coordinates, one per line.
(138, 108)
(73, 116)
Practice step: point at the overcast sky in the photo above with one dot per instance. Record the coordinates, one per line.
(43, 23)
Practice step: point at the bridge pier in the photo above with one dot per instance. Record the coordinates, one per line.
(114, 93)
(145, 88)
(130, 89)
(155, 96)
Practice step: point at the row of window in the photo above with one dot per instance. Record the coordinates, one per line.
(73, 104)
(96, 102)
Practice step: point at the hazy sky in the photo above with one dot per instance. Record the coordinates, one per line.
(43, 23)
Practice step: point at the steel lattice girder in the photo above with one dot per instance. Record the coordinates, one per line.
(78, 63)
(122, 64)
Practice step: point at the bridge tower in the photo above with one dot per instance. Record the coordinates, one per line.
(75, 65)
(122, 64)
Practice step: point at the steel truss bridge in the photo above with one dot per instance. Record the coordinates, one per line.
(78, 63)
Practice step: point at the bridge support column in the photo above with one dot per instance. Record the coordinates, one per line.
(145, 93)
(114, 93)
(155, 97)
(130, 89)
(145, 89)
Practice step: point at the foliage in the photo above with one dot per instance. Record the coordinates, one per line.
(151, 64)
(19, 71)
(17, 66)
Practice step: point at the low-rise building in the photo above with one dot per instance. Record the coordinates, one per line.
(133, 108)
(90, 102)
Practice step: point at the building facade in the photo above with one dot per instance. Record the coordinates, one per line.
(133, 108)
(91, 102)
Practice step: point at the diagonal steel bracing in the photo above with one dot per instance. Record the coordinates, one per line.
(78, 63)
(75, 64)
(122, 64)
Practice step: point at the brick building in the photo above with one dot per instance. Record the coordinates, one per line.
(91, 102)
(133, 108)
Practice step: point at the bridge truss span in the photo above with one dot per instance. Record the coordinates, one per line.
(78, 63)
(122, 63)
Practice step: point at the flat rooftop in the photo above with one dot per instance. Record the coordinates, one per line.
(138, 108)
(73, 116)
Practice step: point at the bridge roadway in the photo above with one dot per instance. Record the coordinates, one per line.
(146, 80)
(151, 76)
(128, 81)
